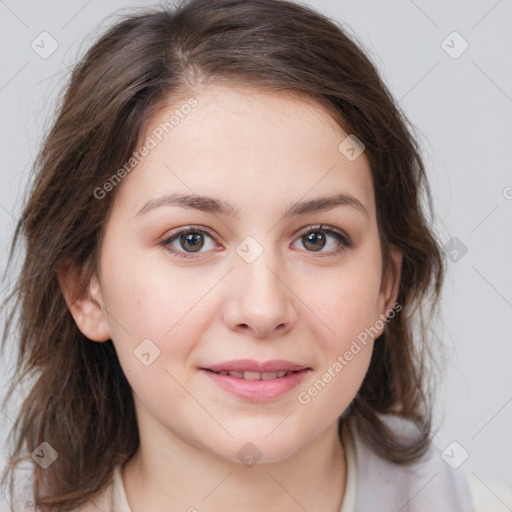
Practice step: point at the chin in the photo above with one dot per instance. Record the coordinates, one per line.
(250, 451)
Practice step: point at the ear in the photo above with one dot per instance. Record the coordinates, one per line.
(390, 281)
(87, 307)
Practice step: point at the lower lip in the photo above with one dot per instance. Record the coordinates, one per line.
(257, 390)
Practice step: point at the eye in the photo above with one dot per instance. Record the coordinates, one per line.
(190, 238)
(316, 238)
(186, 242)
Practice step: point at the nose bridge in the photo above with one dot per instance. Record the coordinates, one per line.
(258, 269)
(262, 300)
(261, 277)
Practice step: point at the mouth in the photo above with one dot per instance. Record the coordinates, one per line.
(249, 375)
(254, 381)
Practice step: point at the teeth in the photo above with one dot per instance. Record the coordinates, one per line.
(252, 375)
(256, 375)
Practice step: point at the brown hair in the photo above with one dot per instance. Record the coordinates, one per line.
(80, 401)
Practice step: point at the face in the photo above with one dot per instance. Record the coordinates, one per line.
(256, 279)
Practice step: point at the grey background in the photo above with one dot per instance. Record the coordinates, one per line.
(462, 109)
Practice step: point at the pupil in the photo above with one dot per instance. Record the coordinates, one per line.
(194, 240)
(315, 237)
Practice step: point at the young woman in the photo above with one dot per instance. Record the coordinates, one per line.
(226, 259)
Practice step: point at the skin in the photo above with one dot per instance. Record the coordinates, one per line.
(260, 151)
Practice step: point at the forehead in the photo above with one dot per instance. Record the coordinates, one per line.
(247, 147)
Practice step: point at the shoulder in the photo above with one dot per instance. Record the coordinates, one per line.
(425, 485)
(102, 502)
(22, 501)
(489, 495)
(111, 499)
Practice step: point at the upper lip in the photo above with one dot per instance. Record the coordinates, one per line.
(249, 365)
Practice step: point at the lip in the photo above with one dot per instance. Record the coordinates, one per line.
(257, 390)
(249, 365)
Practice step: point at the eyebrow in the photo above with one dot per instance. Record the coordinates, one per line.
(220, 207)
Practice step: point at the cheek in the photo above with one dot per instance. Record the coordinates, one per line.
(147, 295)
(345, 301)
(157, 303)
(153, 333)
(336, 382)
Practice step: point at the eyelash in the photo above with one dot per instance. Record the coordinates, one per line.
(344, 240)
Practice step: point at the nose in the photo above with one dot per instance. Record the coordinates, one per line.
(261, 302)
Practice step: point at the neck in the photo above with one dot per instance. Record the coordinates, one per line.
(172, 471)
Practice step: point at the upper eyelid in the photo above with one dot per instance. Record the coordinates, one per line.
(305, 229)
(300, 232)
(192, 228)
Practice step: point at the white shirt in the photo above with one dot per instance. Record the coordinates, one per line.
(482, 498)
(488, 496)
